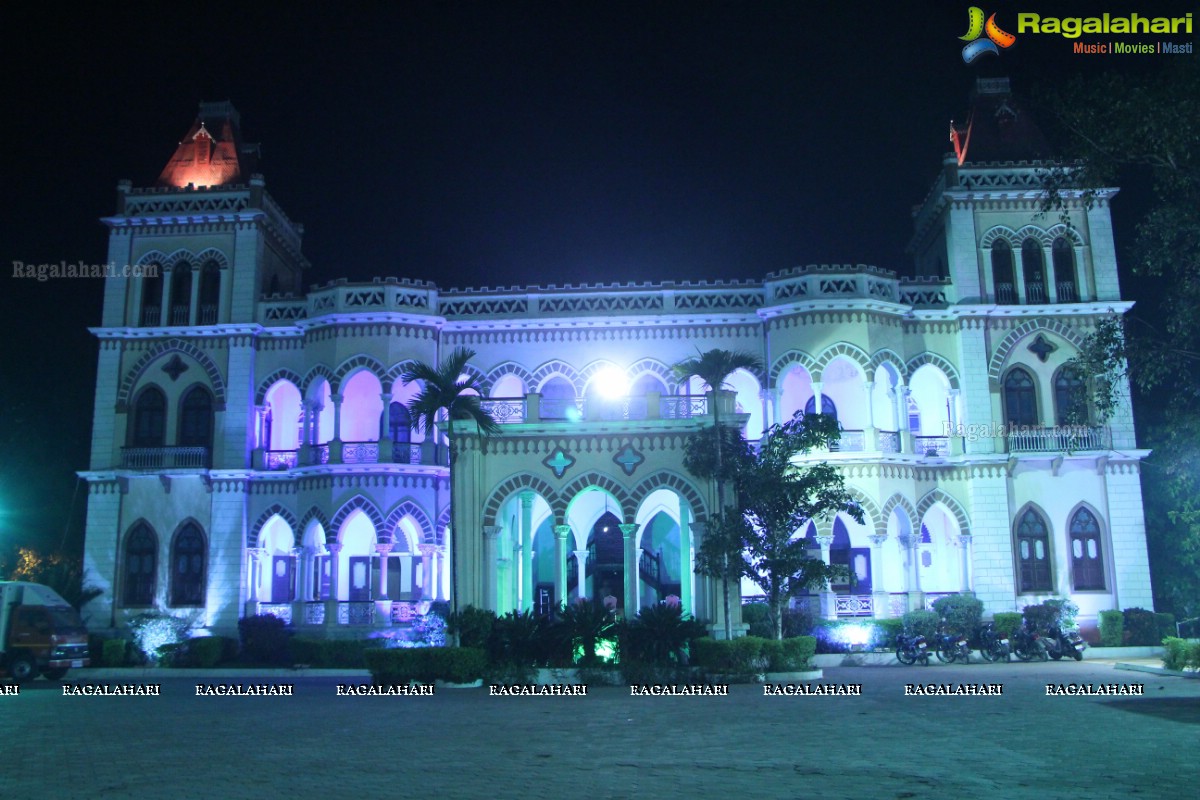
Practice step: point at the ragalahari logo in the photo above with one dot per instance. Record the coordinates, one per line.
(976, 28)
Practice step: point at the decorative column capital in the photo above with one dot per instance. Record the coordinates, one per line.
(427, 550)
(491, 531)
(825, 540)
(526, 500)
(877, 539)
(628, 529)
(334, 547)
(562, 531)
(383, 549)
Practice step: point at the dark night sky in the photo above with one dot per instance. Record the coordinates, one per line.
(476, 144)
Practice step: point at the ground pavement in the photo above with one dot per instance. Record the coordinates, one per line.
(466, 744)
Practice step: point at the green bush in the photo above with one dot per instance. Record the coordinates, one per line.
(758, 617)
(1166, 624)
(659, 635)
(326, 653)
(924, 623)
(115, 653)
(205, 652)
(1180, 654)
(1112, 628)
(739, 658)
(519, 639)
(1141, 628)
(796, 654)
(1006, 622)
(962, 612)
(96, 651)
(473, 626)
(1040, 616)
(425, 664)
(264, 639)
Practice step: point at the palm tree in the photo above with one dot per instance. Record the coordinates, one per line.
(714, 368)
(449, 392)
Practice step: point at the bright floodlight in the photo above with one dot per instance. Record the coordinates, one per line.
(612, 383)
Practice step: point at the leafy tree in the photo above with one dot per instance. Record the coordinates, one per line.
(61, 573)
(708, 459)
(1139, 131)
(448, 392)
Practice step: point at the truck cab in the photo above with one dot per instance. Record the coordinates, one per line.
(39, 633)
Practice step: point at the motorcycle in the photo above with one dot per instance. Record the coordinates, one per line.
(911, 649)
(953, 647)
(993, 646)
(1060, 643)
(1028, 645)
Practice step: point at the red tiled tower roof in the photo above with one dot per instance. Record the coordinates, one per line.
(212, 152)
(998, 127)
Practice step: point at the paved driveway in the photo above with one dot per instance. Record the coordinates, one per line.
(465, 744)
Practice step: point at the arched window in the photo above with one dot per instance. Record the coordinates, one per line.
(1033, 554)
(150, 418)
(643, 386)
(1033, 269)
(181, 292)
(152, 289)
(187, 567)
(558, 398)
(1020, 399)
(1002, 273)
(399, 423)
(1070, 397)
(827, 406)
(210, 292)
(140, 567)
(1087, 560)
(196, 418)
(1063, 256)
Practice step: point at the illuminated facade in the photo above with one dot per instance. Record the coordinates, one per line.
(251, 448)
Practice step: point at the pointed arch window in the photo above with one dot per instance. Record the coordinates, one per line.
(1033, 554)
(1002, 273)
(1063, 256)
(1087, 559)
(196, 418)
(188, 563)
(399, 424)
(1070, 397)
(558, 398)
(210, 292)
(1020, 399)
(181, 292)
(152, 291)
(827, 406)
(150, 418)
(140, 566)
(1033, 269)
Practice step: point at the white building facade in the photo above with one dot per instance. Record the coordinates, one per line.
(251, 448)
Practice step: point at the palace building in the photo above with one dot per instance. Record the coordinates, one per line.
(252, 451)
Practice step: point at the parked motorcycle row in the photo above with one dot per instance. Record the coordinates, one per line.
(1025, 644)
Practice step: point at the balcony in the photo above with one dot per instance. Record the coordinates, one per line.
(156, 458)
(850, 442)
(932, 446)
(1067, 292)
(1063, 438)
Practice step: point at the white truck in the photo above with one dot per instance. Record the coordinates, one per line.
(39, 633)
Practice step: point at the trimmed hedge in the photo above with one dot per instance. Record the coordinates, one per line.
(1141, 628)
(1180, 654)
(742, 656)
(962, 612)
(1007, 622)
(425, 664)
(320, 653)
(115, 653)
(1112, 628)
(264, 639)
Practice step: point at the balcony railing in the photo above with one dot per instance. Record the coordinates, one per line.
(1067, 292)
(855, 605)
(683, 406)
(360, 452)
(889, 441)
(1035, 293)
(420, 453)
(505, 409)
(1063, 438)
(931, 446)
(208, 315)
(850, 442)
(179, 315)
(151, 316)
(164, 458)
(281, 459)
(1006, 294)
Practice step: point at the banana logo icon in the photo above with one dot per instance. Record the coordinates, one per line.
(976, 27)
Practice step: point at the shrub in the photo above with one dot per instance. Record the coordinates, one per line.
(962, 613)
(1180, 654)
(205, 651)
(425, 664)
(580, 628)
(323, 653)
(1006, 622)
(473, 626)
(264, 639)
(920, 622)
(796, 653)
(96, 651)
(1166, 624)
(659, 635)
(1065, 613)
(758, 617)
(1112, 628)
(152, 630)
(115, 652)
(738, 658)
(1141, 628)
(519, 639)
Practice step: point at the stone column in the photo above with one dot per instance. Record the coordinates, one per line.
(194, 299)
(383, 605)
(916, 598)
(870, 441)
(164, 306)
(968, 577)
(768, 409)
(906, 438)
(818, 398)
(526, 551)
(955, 434)
(828, 598)
(299, 562)
(385, 433)
(632, 573)
(304, 456)
(335, 444)
(331, 605)
(581, 585)
(690, 532)
(490, 577)
(879, 597)
(428, 584)
(253, 577)
(561, 532)
(1048, 269)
